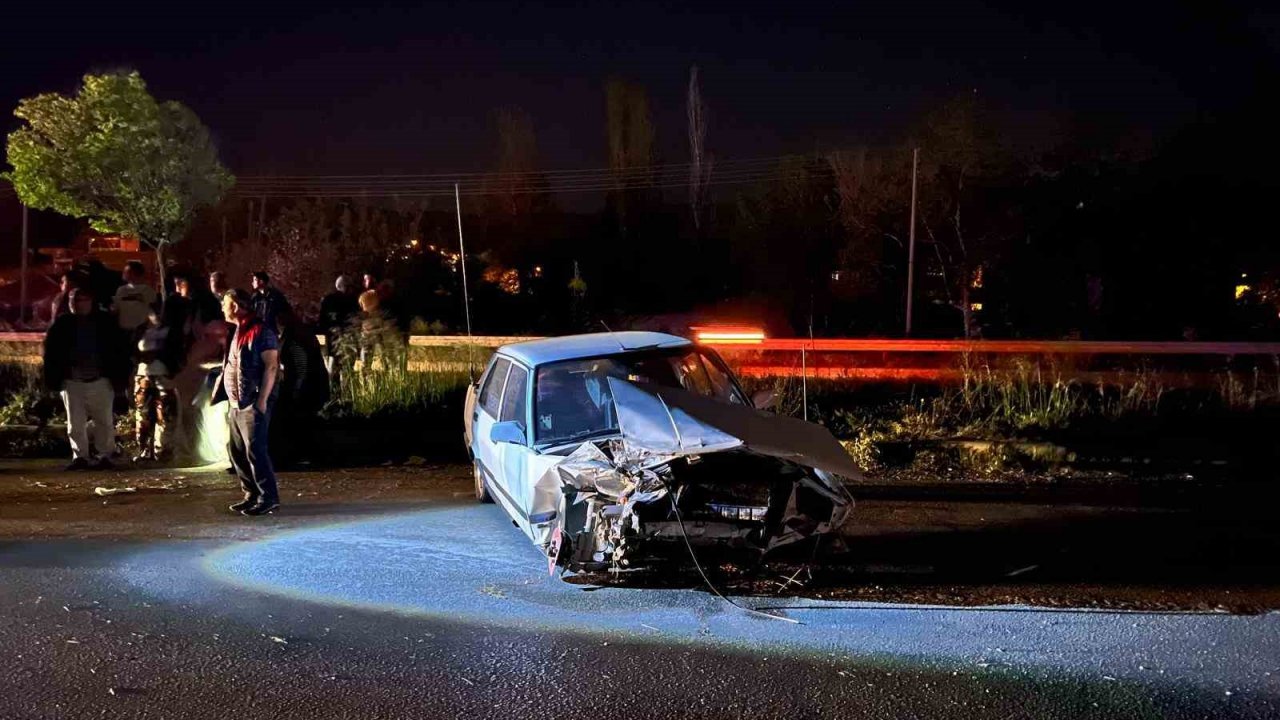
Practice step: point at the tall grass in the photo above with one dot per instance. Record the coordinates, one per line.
(368, 392)
(1022, 400)
(399, 379)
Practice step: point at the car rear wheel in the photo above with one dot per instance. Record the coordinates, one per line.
(482, 488)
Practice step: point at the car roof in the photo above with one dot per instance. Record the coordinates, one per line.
(569, 347)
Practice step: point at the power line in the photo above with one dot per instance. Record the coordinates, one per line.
(411, 192)
(478, 184)
(457, 176)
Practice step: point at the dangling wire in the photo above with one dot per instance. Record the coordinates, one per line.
(694, 557)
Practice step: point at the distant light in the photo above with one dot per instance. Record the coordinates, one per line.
(729, 335)
(1241, 290)
(975, 307)
(414, 243)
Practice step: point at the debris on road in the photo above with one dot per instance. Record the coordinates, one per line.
(104, 491)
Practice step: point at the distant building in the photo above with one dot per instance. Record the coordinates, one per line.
(113, 251)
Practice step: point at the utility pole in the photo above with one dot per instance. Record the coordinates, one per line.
(466, 299)
(911, 241)
(22, 278)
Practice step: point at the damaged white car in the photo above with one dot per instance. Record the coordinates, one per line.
(604, 447)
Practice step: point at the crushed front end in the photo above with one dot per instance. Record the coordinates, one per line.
(690, 469)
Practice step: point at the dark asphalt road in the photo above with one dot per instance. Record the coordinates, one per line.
(402, 616)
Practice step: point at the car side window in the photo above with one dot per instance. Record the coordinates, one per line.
(491, 391)
(513, 399)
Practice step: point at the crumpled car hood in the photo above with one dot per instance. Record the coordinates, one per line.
(590, 488)
(659, 419)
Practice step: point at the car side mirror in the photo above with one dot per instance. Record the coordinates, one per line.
(508, 431)
(764, 399)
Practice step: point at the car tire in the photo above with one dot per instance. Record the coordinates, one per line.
(482, 488)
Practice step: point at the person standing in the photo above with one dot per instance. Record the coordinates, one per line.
(180, 309)
(304, 390)
(218, 285)
(155, 397)
(268, 301)
(86, 360)
(337, 310)
(249, 376)
(61, 304)
(134, 299)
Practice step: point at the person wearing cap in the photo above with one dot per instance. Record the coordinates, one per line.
(249, 375)
(86, 361)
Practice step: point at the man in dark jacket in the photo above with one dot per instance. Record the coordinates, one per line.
(338, 310)
(86, 360)
(268, 301)
(248, 382)
(304, 389)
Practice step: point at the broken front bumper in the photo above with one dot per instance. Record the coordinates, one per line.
(688, 469)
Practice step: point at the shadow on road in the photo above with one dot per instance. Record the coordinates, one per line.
(1208, 554)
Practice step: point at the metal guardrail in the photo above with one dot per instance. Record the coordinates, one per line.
(854, 345)
(1018, 347)
(841, 358)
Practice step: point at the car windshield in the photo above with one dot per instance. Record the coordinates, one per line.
(574, 403)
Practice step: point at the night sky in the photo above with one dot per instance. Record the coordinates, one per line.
(413, 90)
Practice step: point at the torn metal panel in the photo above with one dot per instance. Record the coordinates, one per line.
(650, 425)
(696, 469)
(712, 421)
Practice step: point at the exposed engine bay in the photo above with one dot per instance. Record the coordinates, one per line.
(691, 469)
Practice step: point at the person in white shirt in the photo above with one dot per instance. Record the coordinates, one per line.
(155, 398)
(134, 300)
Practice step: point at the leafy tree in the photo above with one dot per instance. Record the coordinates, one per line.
(117, 156)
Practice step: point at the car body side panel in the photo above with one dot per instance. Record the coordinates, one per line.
(486, 453)
(469, 417)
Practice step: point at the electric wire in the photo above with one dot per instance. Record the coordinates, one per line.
(458, 176)
(694, 557)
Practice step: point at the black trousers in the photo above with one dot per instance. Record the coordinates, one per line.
(249, 454)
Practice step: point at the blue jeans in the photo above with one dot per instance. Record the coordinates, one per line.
(249, 455)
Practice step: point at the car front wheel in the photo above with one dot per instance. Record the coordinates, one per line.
(482, 488)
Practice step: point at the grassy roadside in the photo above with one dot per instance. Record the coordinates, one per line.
(1017, 423)
(1023, 423)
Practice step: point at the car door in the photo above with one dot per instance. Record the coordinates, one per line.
(488, 405)
(513, 459)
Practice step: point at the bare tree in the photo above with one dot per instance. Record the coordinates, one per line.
(700, 161)
(517, 160)
(869, 192)
(629, 130)
(963, 166)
